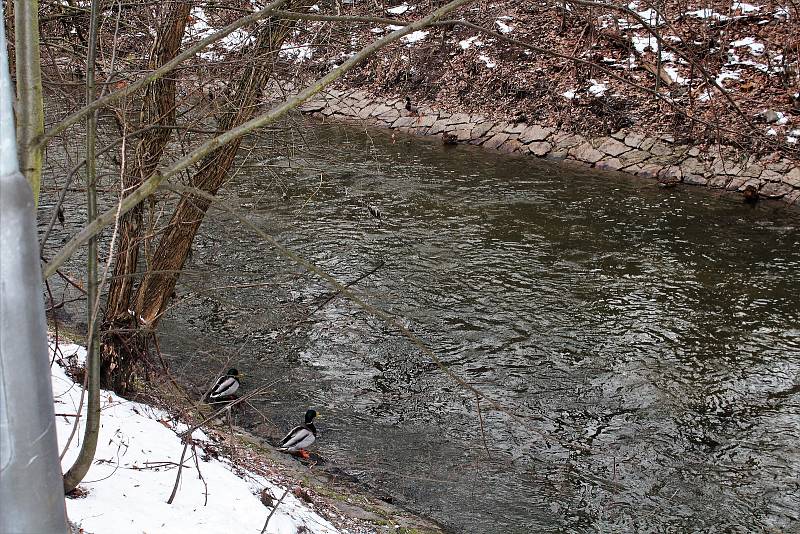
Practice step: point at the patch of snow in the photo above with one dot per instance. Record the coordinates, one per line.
(296, 52)
(771, 132)
(394, 28)
(236, 39)
(314, 8)
(782, 12)
(727, 75)
(466, 43)
(795, 132)
(651, 17)
(790, 139)
(569, 95)
(129, 482)
(597, 88)
(745, 8)
(489, 63)
(782, 118)
(502, 27)
(707, 13)
(643, 43)
(672, 72)
(418, 35)
(755, 48)
(399, 10)
(705, 96)
(377, 30)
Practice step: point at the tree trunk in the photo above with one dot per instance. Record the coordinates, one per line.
(122, 340)
(133, 314)
(30, 106)
(173, 248)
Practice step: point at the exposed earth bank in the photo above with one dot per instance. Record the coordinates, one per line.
(698, 93)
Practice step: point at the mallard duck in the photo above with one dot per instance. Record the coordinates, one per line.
(412, 110)
(225, 387)
(449, 138)
(300, 436)
(750, 194)
(375, 211)
(668, 182)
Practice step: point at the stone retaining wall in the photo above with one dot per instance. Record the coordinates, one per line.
(659, 158)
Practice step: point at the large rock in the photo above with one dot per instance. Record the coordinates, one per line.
(634, 157)
(755, 182)
(496, 140)
(480, 129)
(459, 118)
(633, 140)
(404, 122)
(719, 181)
(464, 133)
(752, 171)
(793, 178)
(439, 126)
(647, 142)
(793, 197)
(659, 148)
(775, 190)
(539, 148)
(650, 170)
(382, 108)
(313, 106)
(515, 128)
(771, 176)
(566, 141)
(610, 164)
(427, 121)
(613, 148)
(695, 179)
(673, 172)
(694, 166)
(586, 152)
(511, 146)
(534, 133)
(366, 111)
(388, 116)
(783, 165)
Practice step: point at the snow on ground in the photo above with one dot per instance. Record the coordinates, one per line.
(489, 63)
(134, 471)
(755, 48)
(413, 37)
(466, 43)
(399, 10)
(296, 52)
(502, 27)
(597, 88)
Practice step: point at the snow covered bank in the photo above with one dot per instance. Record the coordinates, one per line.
(135, 466)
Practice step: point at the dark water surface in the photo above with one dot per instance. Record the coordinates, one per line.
(647, 342)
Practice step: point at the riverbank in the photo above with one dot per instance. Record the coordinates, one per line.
(630, 150)
(702, 94)
(231, 480)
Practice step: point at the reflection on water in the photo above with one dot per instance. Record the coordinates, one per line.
(646, 341)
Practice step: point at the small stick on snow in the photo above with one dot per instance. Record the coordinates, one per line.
(273, 510)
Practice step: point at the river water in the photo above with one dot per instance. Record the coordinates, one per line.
(644, 344)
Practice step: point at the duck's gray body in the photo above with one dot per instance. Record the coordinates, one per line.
(300, 437)
(225, 387)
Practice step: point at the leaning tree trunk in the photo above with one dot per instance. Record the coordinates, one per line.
(173, 247)
(123, 342)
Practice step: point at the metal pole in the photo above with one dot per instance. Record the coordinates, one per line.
(31, 487)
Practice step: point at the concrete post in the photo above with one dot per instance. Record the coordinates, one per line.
(31, 487)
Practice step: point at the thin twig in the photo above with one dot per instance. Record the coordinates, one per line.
(264, 529)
